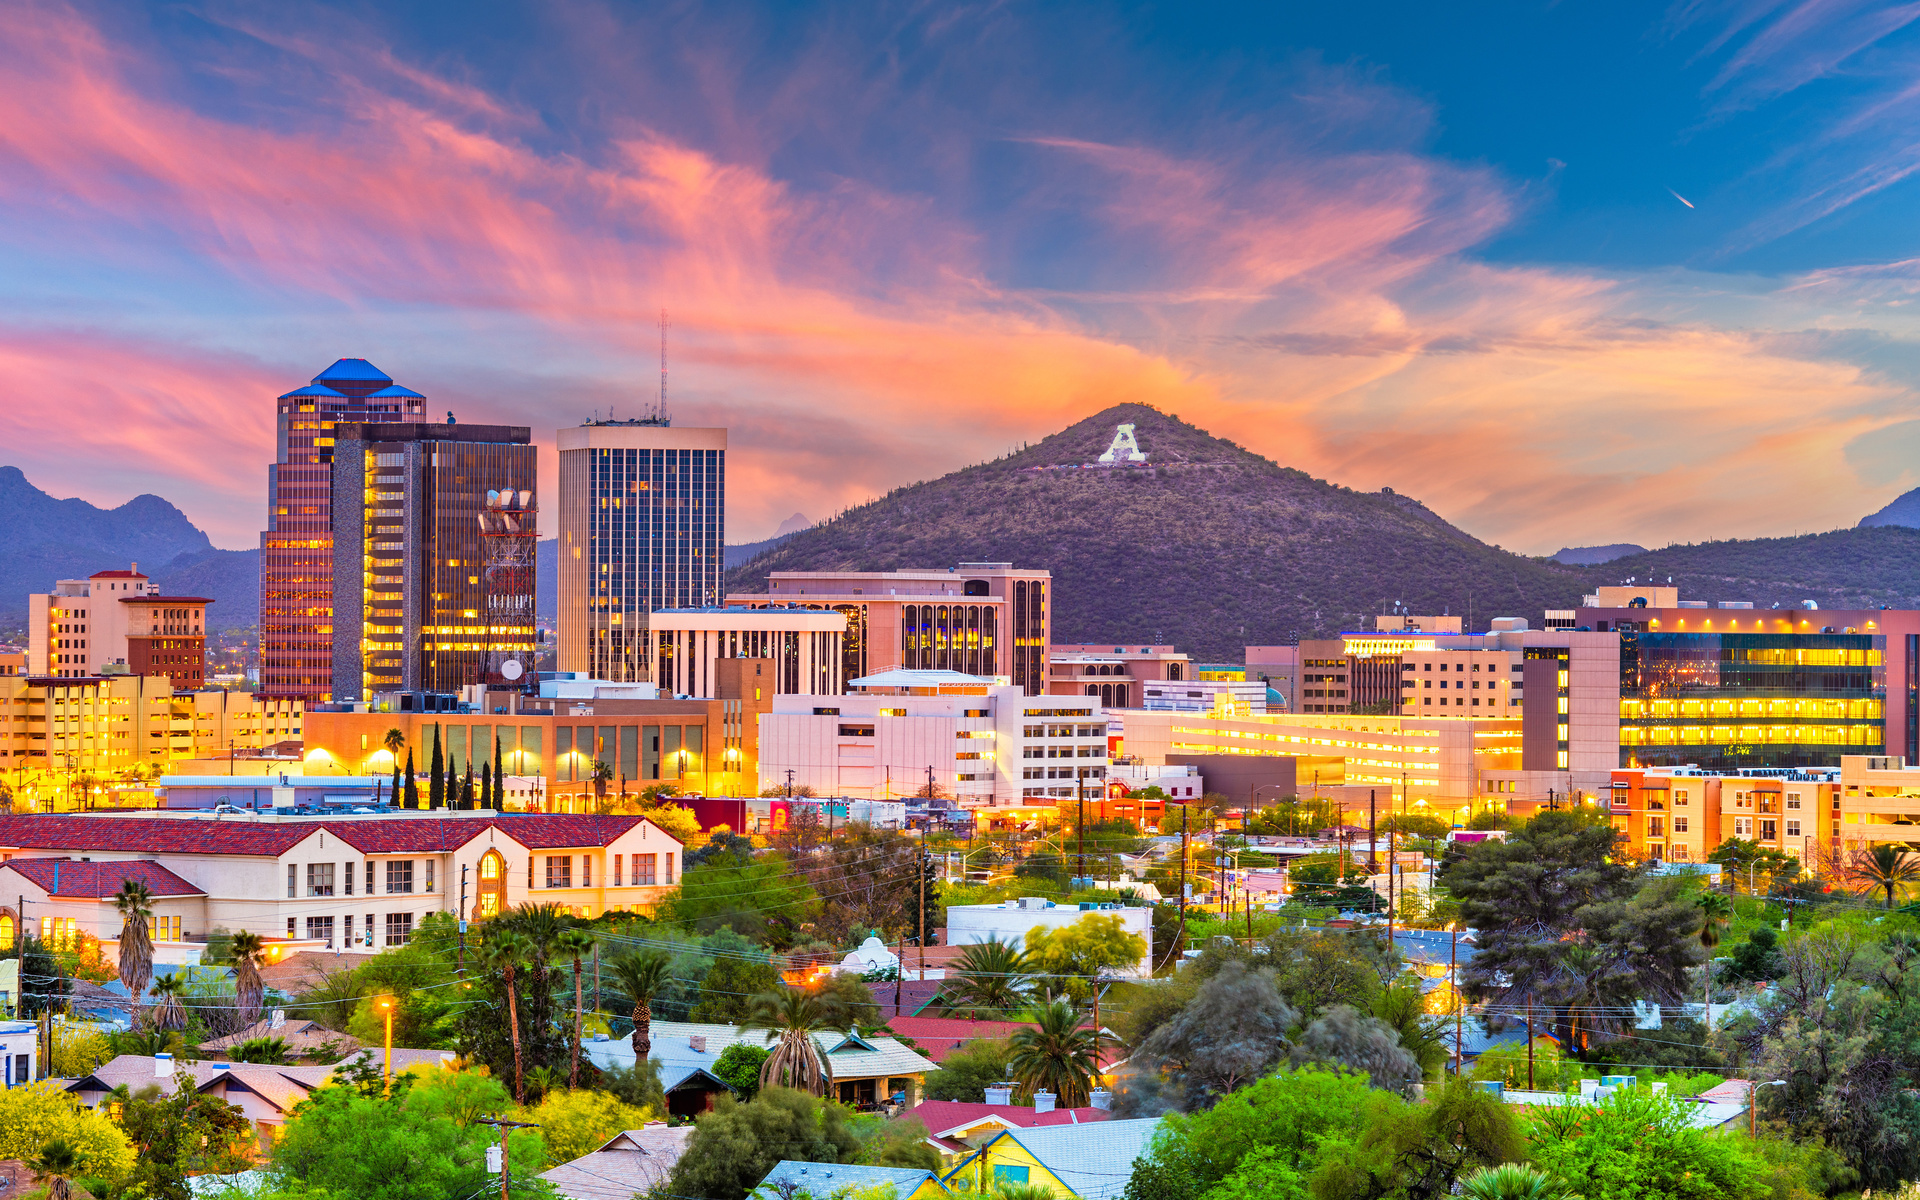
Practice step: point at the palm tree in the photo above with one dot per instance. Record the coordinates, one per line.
(994, 978)
(541, 924)
(269, 1050)
(394, 741)
(505, 951)
(135, 902)
(1885, 866)
(794, 1016)
(1058, 1055)
(576, 944)
(247, 985)
(1716, 911)
(1512, 1181)
(56, 1164)
(642, 976)
(168, 1012)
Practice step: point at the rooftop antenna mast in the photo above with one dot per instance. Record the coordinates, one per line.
(662, 411)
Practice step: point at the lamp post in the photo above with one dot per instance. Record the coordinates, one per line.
(1753, 1105)
(385, 1004)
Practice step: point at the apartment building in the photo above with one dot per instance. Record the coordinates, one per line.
(116, 622)
(366, 882)
(1680, 814)
(982, 742)
(981, 619)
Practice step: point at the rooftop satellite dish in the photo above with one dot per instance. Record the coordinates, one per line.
(512, 668)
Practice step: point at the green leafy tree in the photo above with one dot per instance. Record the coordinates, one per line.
(1342, 1036)
(1427, 1036)
(1234, 1030)
(1268, 1134)
(765, 899)
(1637, 1145)
(573, 1123)
(966, 1073)
(1070, 957)
(1884, 868)
(1419, 1151)
(419, 1144)
(31, 1115)
(730, 985)
(734, 1146)
(739, 1067)
(177, 1136)
(1322, 970)
(1751, 867)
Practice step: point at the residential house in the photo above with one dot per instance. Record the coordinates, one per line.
(821, 1180)
(953, 1127)
(628, 1164)
(868, 1071)
(304, 1039)
(1091, 1161)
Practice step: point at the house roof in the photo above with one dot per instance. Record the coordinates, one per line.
(1095, 1160)
(301, 1037)
(393, 835)
(72, 879)
(953, 1118)
(304, 969)
(938, 1037)
(673, 1050)
(627, 1164)
(914, 995)
(824, 1179)
(282, 1086)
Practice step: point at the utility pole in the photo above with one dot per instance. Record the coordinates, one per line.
(920, 868)
(1184, 810)
(1391, 864)
(1529, 1041)
(1080, 793)
(504, 1125)
(1373, 836)
(460, 956)
(1453, 984)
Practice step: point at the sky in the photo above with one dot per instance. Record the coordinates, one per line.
(1571, 273)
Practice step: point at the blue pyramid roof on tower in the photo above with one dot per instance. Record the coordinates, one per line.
(353, 370)
(314, 391)
(396, 392)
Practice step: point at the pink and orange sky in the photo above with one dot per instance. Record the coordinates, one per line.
(896, 240)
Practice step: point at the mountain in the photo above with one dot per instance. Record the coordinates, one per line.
(1905, 510)
(1204, 545)
(46, 539)
(1592, 556)
(1873, 567)
(230, 578)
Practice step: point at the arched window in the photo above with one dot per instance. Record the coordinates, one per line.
(491, 892)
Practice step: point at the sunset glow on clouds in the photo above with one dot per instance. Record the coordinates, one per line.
(895, 245)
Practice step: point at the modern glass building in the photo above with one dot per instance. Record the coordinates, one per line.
(433, 546)
(642, 527)
(1724, 701)
(296, 550)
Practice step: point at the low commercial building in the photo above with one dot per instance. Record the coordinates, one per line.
(982, 741)
(1118, 675)
(701, 746)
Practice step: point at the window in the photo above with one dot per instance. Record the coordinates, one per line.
(643, 870)
(319, 879)
(320, 929)
(1680, 852)
(1003, 1173)
(399, 928)
(293, 882)
(399, 878)
(667, 860)
(586, 870)
(290, 927)
(619, 862)
(1680, 799)
(559, 870)
(1656, 827)
(1680, 824)
(1743, 827)
(164, 929)
(1793, 801)
(856, 731)
(346, 870)
(1793, 828)
(1769, 831)
(429, 886)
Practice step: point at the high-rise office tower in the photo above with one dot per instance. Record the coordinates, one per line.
(296, 551)
(642, 527)
(433, 545)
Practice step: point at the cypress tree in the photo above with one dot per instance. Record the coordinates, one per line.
(393, 794)
(486, 784)
(437, 767)
(466, 789)
(499, 778)
(412, 797)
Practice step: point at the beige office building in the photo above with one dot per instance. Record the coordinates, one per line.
(642, 527)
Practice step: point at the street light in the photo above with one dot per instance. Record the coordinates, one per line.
(1753, 1105)
(385, 1004)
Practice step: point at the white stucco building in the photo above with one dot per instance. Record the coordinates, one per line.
(1010, 922)
(984, 741)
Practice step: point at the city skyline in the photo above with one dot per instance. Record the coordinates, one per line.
(1653, 290)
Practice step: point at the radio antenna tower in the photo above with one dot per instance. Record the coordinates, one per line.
(662, 411)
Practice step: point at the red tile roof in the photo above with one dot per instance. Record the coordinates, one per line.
(116, 575)
(938, 1037)
(94, 880)
(152, 598)
(945, 1116)
(392, 835)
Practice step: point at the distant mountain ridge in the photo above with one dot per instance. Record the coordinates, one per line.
(1905, 510)
(1592, 556)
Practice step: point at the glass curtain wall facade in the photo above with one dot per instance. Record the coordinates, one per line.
(642, 528)
(418, 512)
(949, 637)
(1030, 635)
(1726, 701)
(296, 549)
